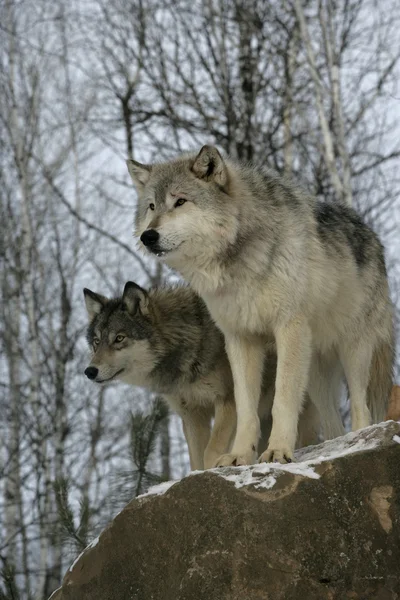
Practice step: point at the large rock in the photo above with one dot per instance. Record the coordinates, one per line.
(325, 527)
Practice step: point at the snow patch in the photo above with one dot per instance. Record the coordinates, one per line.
(91, 545)
(264, 475)
(396, 438)
(76, 560)
(343, 450)
(351, 443)
(246, 478)
(159, 489)
(297, 469)
(267, 483)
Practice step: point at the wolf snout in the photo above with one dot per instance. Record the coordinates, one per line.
(149, 237)
(91, 372)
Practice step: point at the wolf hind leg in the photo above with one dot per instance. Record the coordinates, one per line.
(265, 404)
(381, 379)
(325, 386)
(196, 427)
(309, 424)
(356, 361)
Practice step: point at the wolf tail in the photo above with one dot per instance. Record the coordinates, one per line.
(381, 380)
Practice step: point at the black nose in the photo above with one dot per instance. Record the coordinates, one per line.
(91, 372)
(149, 237)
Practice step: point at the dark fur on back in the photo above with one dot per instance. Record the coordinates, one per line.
(337, 224)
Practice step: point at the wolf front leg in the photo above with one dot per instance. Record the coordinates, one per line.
(293, 344)
(222, 432)
(196, 427)
(246, 357)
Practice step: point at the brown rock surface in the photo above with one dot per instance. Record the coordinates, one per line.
(324, 528)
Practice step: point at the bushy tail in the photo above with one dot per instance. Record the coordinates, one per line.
(381, 381)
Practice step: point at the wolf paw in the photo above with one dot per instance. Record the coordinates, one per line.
(211, 458)
(282, 455)
(236, 460)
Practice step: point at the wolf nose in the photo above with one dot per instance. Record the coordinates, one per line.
(149, 237)
(91, 372)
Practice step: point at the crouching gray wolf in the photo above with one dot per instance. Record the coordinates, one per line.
(268, 259)
(165, 340)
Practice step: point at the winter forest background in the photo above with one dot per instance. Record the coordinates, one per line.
(309, 87)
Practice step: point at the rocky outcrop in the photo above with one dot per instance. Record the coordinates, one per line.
(326, 527)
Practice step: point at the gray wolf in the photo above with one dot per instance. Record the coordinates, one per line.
(165, 340)
(268, 259)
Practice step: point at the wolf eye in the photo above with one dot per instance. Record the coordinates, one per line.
(119, 338)
(151, 206)
(96, 342)
(180, 201)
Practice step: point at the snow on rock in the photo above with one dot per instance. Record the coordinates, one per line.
(351, 443)
(247, 477)
(76, 560)
(160, 488)
(264, 476)
(91, 545)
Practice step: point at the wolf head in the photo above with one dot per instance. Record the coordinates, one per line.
(184, 206)
(119, 335)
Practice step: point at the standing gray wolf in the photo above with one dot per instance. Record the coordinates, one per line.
(269, 259)
(165, 340)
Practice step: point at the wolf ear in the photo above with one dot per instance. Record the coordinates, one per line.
(210, 165)
(94, 302)
(139, 173)
(135, 298)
